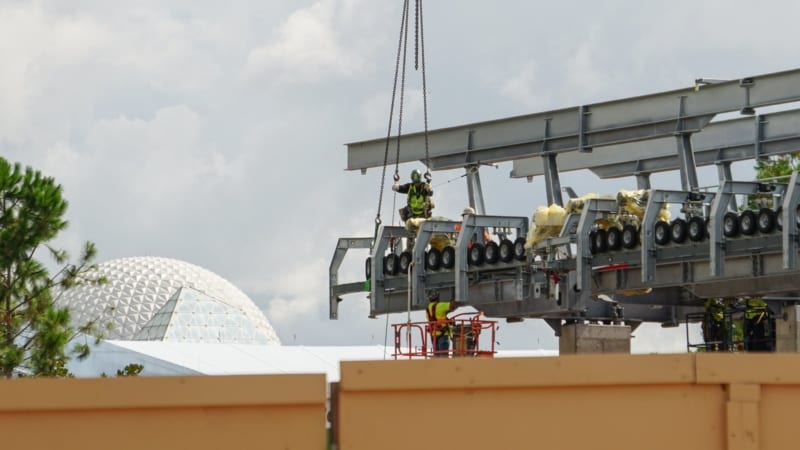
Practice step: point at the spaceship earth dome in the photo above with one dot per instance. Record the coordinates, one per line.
(187, 302)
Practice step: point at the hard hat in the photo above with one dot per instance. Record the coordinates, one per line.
(468, 210)
(433, 295)
(416, 176)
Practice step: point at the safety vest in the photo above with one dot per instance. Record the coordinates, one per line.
(756, 309)
(715, 309)
(437, 315)
(417, 199)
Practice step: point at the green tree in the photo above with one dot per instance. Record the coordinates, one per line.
(34, 332)
(776, 169)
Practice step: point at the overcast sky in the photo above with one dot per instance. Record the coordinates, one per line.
(212, 132)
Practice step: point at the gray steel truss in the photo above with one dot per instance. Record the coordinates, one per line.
(583, 128)
(567, 277)
(719, 143)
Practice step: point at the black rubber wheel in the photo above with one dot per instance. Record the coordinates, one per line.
(748, 223)
(405, 261)
(766, 221)
(730, 224)
(368, 268)
(433, 260)
(779, 218)
(448, 257)
(630, 237)
(475, 254)
(678, 231)
(662, 233)
(600, 241)
(519, 249)
(506, 250)
(614, 238)
(491, 252)
(391, 264)
(697, 229)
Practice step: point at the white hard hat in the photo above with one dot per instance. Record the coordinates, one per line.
(468, 210)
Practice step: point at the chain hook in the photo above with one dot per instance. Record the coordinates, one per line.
(396, 176)
(428, 176)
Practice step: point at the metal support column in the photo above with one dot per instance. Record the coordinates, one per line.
(377, 301)
(591, 212)
(687, 165)
(419, 283)
(643, 181)
(551, 180)
(724, 173)
(649, 252)
(552, 183)
(719, 207)
(474, 189)
(789, 219)
(335, 289)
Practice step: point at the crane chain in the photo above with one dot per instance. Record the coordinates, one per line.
(403, 26)
(400, 71)
(428, 176)
(402, 99)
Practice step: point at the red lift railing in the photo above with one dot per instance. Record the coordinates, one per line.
(472, 337)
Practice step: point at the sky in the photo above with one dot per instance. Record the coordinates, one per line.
(212, 132)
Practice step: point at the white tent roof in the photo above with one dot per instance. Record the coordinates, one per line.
(181, 358)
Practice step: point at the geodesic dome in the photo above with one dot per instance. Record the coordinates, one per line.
(151, 298)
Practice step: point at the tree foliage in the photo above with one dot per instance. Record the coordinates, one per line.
(776, 169)
(34, 332)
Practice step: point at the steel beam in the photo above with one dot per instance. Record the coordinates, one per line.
(583, 127)
(378, 286)
(335, 289)
(419, 282)
(789, 221)
(725, 141)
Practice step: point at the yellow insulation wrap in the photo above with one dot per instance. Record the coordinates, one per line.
(438, 240)
(546, 222)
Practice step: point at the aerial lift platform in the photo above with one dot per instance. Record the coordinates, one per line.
(655, 272)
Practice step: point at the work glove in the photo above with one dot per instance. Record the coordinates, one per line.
(396, 186)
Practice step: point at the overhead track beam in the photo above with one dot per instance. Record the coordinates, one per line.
(719, 142)
(584, 127)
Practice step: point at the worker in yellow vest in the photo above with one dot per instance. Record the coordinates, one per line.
(715, 332)
(419, 195)
(758, 328)
(419, 204)
(439, 326)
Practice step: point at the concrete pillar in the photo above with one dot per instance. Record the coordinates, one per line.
(787, 336)
(594, 338)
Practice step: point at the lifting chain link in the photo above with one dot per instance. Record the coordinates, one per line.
(403, 27)
(400, 72)
(421, 31)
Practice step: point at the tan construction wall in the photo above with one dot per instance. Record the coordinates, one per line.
(232, 412)
(611, 401)
(688, 401)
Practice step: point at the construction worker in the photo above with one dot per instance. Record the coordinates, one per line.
(420, 204)
(419, 195)
(714, 331)
(440, 328)
(758, 327)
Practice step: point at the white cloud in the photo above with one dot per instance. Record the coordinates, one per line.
(309, 46)
(522, 86)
